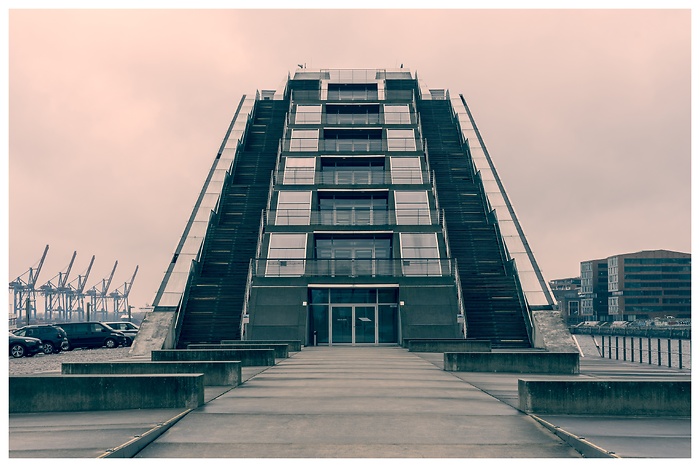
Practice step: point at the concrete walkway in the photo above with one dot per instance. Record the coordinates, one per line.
(350, 402)
(346, 402)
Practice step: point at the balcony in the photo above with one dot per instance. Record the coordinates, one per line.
(359, 177)
(318, 95)
(356, 268)
(352, 145)
(353, 217)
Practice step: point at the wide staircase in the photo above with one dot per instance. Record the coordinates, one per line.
(215, 298)
(494, 310)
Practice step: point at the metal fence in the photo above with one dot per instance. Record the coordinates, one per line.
(653, 351)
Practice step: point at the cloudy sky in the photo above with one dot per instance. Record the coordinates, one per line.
(115, 117)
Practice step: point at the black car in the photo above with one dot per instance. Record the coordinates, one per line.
(92, 334)
(24, 346)
(53, 339)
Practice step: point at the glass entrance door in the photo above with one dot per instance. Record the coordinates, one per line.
(365, 318)
(353, 324)
(341, 325)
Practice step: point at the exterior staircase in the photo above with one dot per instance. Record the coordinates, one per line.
(493, 303)
(215, 297)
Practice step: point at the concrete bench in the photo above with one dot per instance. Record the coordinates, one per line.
(247, 357)
(448, 345)
(605, 397)
(215, 373)
(513, 362)
(78, 393)
(294, 346)
(281, 350)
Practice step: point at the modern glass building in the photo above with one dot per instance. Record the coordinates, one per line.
(649, 284)
(353, 207)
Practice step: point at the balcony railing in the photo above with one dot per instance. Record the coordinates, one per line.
(423, 267)
(336, 176)
(349, 144)
(388, 118)
(353, 216)
(398, 95)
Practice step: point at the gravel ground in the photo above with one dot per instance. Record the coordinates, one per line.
(41, 363)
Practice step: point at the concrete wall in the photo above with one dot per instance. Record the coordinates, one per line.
(250, 357)
(513, 362)
(157, 331)
(75, 393)
(605, 397)
(277, 314)
(428, 312)
(448, 345)
(215, 373)
(551, 333)
(294, 345)
(281, 350)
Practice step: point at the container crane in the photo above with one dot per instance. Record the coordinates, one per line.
(98, 298)
(75, 297)
(121, 297)
(24, 291)
(55, 293)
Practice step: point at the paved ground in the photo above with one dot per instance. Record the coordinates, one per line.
(348, 402)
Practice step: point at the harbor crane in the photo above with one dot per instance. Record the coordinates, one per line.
(55, 293)
(98, 298)
(24, 290)
(121, 297)
(75, 297)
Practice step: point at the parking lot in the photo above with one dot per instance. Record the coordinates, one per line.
(42, 363)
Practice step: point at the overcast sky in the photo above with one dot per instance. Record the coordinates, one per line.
(115, 117)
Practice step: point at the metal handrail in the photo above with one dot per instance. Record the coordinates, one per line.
(368, 268)
(353, 216)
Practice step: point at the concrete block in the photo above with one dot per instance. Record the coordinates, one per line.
(215, 373)
(78, 393)
(281, 350)
(448, 345)
(247, 357)
(605, 397)
(513, 362)
(294, 345)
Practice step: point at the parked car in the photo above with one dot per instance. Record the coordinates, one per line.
(53, 339)
(24, 346)
(127, 328)
(92, 334)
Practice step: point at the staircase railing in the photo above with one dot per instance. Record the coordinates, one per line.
(172, 293)
(245, 312)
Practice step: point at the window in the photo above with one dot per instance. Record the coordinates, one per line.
(419, 254)
(344, 209)
(412, 208)
(405, 170)
(299, 170)
(352, 171)
(293, 208)
(304, 140)
(353, 256)
(308, 114)
(286, 254)
(397, 114)
(401, 140)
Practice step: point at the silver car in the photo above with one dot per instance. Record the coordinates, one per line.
(127, 328)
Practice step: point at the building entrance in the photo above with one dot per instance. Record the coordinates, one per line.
(353, 317)
(354, 324)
